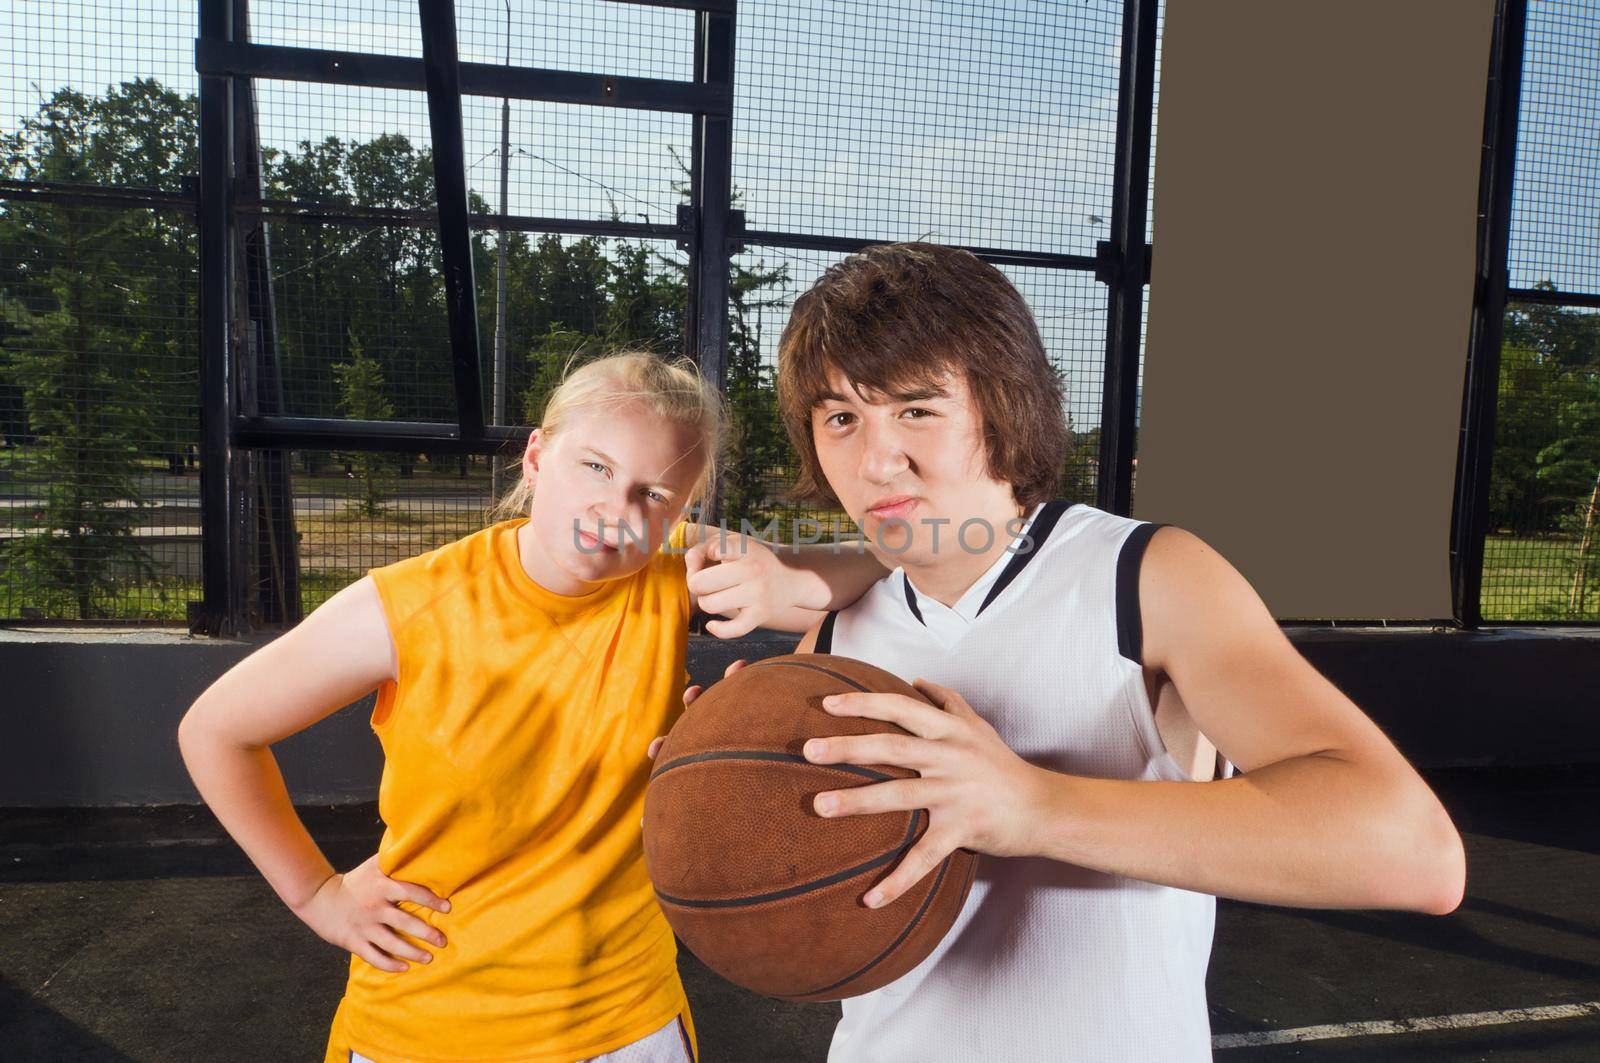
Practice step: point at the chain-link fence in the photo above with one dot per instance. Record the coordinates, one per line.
(975, 123)
(98, 315)
(1542, 555)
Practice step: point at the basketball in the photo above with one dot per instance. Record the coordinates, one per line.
(762, 889)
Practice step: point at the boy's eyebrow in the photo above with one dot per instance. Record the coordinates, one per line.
(609, 460)
(914, 395)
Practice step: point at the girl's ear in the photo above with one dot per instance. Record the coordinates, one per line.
(530, 455)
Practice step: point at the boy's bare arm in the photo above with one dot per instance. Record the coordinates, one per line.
(834, 575)
(1328, 814)
(844, 571)
(334, 656)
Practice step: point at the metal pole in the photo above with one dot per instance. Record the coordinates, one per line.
(499, 406)
(269, 536)
(713, 185)
(218, 611)
(1469, 525)
(1125, 257)
(442, 67)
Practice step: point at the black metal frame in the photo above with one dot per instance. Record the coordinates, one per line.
(284, 63)
(1125, 266)
(708, 216)
(220, 611)
(227, 62)
(1469, 525)
(1121, 262)
(712, 232)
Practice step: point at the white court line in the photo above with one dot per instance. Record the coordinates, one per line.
(1387, 1026)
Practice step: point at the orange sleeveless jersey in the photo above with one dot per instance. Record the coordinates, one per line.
(513, 785)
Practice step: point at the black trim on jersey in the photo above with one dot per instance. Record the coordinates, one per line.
(911, 598)
(1038, 531)
(825, 634)
(1130, 628)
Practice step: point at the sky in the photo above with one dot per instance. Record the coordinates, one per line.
(987, 124)
(1555, 217)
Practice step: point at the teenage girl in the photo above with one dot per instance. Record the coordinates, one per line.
(507, 914)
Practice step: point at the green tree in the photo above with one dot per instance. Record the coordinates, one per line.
(1567, 337)
(361, 397)
(750, 486)
(1569, 470)
(93, 313)
(314, 292)
(1547, 365)
(548, 357)
(1079, 470)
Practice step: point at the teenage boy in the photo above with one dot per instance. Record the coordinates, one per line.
(1089, 670)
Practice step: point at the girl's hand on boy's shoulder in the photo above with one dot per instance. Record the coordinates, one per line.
(742, 578)
(357, 911)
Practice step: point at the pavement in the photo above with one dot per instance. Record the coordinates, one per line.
(144, 934)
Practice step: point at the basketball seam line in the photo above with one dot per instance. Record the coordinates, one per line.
(768, 755)
(813, 667)
(804, 887)
(927, 901)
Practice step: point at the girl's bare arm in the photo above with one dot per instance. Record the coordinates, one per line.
(334, 656)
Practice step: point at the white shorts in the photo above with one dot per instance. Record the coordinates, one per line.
(670, 1044)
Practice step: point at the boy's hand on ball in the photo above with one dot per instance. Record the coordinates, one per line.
(980, 795)
(689, 694)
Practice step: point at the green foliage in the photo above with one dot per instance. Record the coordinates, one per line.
(1547, 430)
(93, 316)
(98, 347)
(1079, 481)
(379, 284)
(361, 397)
(751, 485)
(1546, 471)
(548, 357)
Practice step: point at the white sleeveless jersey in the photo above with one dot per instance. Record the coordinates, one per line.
(1047, 960)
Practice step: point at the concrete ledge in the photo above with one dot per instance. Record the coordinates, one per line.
(91, 716)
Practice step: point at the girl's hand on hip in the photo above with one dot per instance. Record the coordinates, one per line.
(357, 911)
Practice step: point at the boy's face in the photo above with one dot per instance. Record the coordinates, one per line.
(631, 470)
(917, 458)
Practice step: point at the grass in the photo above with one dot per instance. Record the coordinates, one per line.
(1525, 578)
(1531, 578)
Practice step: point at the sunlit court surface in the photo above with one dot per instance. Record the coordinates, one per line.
(410, 408)
(144, 934)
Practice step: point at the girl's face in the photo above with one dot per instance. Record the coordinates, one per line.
(915, 458)
(608, 487)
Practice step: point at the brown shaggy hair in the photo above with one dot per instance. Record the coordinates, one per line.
(899, 317)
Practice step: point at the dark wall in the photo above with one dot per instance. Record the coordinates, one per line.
(91, 719)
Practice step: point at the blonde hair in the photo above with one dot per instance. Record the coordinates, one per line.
(673, 390)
